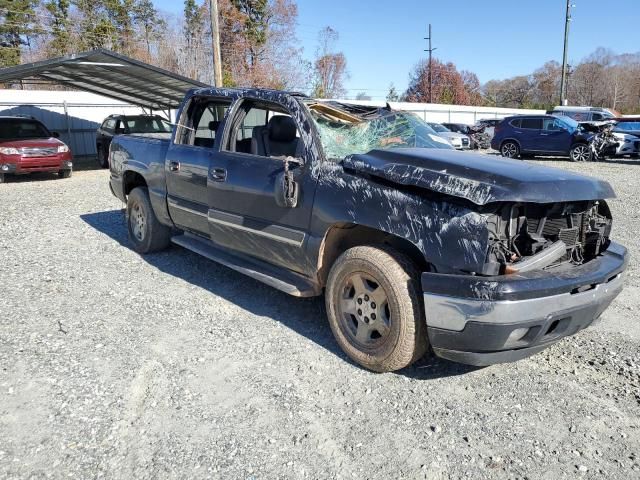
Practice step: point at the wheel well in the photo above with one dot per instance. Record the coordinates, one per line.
(343, 236)
(132, 180)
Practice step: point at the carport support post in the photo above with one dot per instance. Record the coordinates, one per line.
(66, 119)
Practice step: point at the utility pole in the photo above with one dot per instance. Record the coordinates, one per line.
(563, 81)
(215, 40)
(430, 50)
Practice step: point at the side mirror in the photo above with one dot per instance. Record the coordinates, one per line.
(55, 134)
(287, 189)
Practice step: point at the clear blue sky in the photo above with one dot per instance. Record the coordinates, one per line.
(383, 39)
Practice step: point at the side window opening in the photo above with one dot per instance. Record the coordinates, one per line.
(532, 123)
(201, 122)
(264, 129)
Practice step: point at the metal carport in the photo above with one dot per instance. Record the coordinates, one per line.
(109, 74)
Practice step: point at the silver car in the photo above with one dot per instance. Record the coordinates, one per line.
(459, 141)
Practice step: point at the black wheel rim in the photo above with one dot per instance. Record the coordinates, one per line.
(363, 311)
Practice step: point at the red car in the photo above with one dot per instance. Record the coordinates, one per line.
(26, 146)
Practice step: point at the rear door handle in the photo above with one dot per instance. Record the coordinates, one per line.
(218, 174)
(174, 166)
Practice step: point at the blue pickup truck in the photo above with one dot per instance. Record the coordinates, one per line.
(416, 247)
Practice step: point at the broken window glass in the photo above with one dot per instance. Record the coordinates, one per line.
(344, 133)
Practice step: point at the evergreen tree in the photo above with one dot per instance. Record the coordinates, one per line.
(60, 43)
(17, 22)
(393, 95)
(146, 18)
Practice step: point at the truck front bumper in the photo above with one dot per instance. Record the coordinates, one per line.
(486, 320)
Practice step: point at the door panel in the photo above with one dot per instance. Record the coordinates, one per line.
(530, 128)
(553, 138)
(244, 215)
(188, 160)
(186, 169)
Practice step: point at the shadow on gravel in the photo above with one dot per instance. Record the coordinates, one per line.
(305, 316)
(32, 177)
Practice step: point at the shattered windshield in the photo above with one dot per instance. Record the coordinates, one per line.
(343, 133)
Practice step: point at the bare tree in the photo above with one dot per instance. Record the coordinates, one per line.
(330, 68)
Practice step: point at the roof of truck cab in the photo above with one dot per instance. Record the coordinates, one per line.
(237, 92)
(108, 74)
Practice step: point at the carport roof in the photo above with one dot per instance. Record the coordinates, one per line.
(111, 75)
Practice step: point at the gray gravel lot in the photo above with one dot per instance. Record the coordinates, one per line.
(119, 366)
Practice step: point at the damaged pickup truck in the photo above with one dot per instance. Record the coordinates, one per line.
(416, 247)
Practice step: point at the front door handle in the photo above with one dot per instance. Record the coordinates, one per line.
(218, 174)
(174, 166)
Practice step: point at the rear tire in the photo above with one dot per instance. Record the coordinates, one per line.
(375, 310)
(103, 159)
(146, 233)
(580, 153)
(510, 149)
(65, 173)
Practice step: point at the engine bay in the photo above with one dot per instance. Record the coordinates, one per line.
(541, 236)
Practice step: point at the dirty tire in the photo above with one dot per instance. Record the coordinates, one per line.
(103, 161)
(2, 178)
(146, 233)
(65, 173)
(510, 149)
(400, 325)
(580, 153)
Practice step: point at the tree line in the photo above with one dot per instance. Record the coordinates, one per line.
(257, 39)
(260, 49)
(602, 79)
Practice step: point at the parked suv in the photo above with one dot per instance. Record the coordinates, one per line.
(126, 124)
(27, 146)
(543, 135)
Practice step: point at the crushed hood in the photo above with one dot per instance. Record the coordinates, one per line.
(481, 179)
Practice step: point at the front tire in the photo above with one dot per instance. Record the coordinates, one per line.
(146, 233)
(65, 173)
(374, 308)
(580, 153)
(2, 178)
(510, 149)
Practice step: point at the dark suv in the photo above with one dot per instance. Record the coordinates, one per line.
(126, 124)
(543, 135)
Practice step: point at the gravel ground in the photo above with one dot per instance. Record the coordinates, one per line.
(170, 366)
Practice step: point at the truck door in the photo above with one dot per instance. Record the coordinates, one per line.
(187, 162)
(246, 213)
